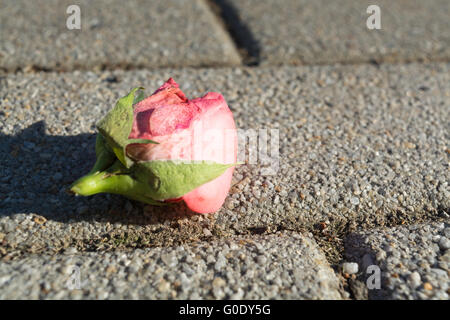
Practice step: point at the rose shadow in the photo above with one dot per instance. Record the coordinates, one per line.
(37, 169)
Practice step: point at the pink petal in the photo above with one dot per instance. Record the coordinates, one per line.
(165, 120)
(210, 197)
(199, 129)
(169, 93)
(219, 145)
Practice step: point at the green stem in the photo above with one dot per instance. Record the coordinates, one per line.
(114, 180)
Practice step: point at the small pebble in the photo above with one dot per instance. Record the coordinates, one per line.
(350, 267)
(207, 232)
(414, 279)
(354, 201)
(262, 260)
(163, 286)
(238, 295)
(70, 250)
(218, 282)
(427, 286)
(444, 243)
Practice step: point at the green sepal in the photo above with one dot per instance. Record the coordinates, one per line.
(139, 96)
(142, 141)
(117, 124)
(171, 179)
(105, 155)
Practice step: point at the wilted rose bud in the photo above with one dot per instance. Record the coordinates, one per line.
(165, 148)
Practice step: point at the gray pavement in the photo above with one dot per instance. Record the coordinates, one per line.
(280, 266)
(114, 34)
(325, 32)
(359, 147)
(414, 261)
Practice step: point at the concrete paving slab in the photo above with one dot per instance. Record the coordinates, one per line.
(281, 266)
(360, 146)
(114, 34)
(414, 261)
(325, 32)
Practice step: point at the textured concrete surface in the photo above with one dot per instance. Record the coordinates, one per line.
(324, 32)
(114, 34)
(281, 266)
(359, 147)
(414, 261)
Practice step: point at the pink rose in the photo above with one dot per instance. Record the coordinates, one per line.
(191, 154)
(198, 129)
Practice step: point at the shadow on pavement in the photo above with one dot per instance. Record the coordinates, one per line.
(357, 250)
(36, 170)
(240, 32)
